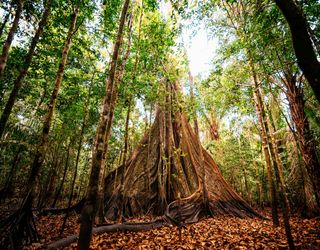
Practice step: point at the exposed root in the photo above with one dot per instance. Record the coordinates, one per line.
(154, 181)
(77, 208)
(139, 226)
(19, 226)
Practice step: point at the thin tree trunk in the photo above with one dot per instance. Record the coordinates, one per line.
(273, 153)
(39, 155)
(282, 192)
(302, 44)
(258, 184)
(90, 207)
(279, 164)
(242, 166)
(66, 165)
(285, 207)
(85, 118)
(26, 208)
(48, 191)
(5, 20)
(8, 185)
(126, 133)
(264, 139)
(114, 96)
(8, 42)
(24, 70)
(168, 147)
(296, 105)
(48, 194)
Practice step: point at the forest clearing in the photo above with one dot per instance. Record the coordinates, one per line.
(145, 124)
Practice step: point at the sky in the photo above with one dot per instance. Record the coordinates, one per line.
(200, 49)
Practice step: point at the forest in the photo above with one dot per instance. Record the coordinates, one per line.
(110, 139)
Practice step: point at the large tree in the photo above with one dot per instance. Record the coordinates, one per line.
(164, 174)
(302, 44)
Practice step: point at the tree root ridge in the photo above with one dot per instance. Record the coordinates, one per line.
(151, 177)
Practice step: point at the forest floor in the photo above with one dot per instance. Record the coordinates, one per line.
(220, 232)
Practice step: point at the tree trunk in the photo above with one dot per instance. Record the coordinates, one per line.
(7, 44)
(196, 130)
(26, 225)
(146, 194)
(39, 155)
(85, 118)
(281, 186)
(279, 165)
(113, 90)
(264, 138)
(247, 195)
(50, 182)
(126, 133)
(66, 165)
(8, 185)
(258, 184)
(52, 178)
(302, 131)
(302, 44)
(24, 70)
(4, 22)
(264, 133)
(90, 207)
(273, 153)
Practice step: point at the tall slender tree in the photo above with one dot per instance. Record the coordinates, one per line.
(24, 69)
(40, 154)
(8, 42)
(90, 207)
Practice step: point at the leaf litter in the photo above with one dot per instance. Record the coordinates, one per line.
(220, 232)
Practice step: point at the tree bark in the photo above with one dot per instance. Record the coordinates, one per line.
(52, 178)
(265, 144)
(7, 44)
(281, 187)
(302, 44)
(126, 133)
(302, 131)
(24, 70)
(90, 207)
(113, 91)
(196, 130)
